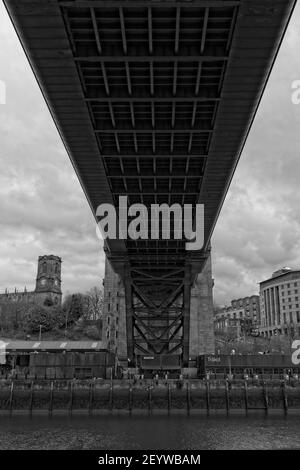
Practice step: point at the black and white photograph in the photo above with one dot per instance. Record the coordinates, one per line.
(149, 231)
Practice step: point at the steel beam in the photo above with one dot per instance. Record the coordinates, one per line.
(145, 3)
(186, 314)
(129, 316)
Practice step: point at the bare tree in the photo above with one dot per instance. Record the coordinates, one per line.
(94, 299)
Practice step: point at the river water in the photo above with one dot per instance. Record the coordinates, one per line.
(154, 432)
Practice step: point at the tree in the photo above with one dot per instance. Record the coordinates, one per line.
(38, 317)
(74, 307)
(94, 303)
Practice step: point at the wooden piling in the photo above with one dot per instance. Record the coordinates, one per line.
(246, 397)
(266, 398)
(169, 398)
(51, 399)
(11, 398)
(31, 398)
(150, 399)
(284, 398)
(207, 396)
(111, 396)
(91, 398)
(188, 398)
(227, 397)
(130, 399)
(71, 398)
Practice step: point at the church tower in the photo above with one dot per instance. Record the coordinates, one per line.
(48, 281)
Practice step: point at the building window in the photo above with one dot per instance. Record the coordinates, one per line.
(108, 320)
(291, 317)
(288, 285)
(295, 284)
(117, 320)
(107, 334)
(117, 334)
(298, 317)
(117, 307)
(108, 307)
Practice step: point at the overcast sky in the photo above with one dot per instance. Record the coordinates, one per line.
(43, 209)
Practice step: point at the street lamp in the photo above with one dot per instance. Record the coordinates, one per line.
(66, 322)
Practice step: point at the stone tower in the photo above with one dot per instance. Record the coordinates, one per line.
(48, 281)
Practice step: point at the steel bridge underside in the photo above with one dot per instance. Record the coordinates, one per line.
(153, 100)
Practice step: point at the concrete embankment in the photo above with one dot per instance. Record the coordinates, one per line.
(100, 395)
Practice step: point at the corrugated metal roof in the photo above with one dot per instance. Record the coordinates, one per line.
(55, 345)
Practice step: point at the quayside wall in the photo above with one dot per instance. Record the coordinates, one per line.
(93, 396)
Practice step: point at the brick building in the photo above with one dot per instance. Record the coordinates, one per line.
(243, 315)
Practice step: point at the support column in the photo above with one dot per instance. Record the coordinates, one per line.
(129, 316)
(201, 314)
(186, 316)
(114, 314)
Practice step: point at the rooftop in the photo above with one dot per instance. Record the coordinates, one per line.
(281, 273)
(54, 345)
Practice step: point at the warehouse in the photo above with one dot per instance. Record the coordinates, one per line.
(56, 360)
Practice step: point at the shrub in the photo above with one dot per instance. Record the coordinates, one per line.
(21, 335)
(37, 317)
(58, 316)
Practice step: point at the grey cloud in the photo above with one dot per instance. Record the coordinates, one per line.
(43, 208)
